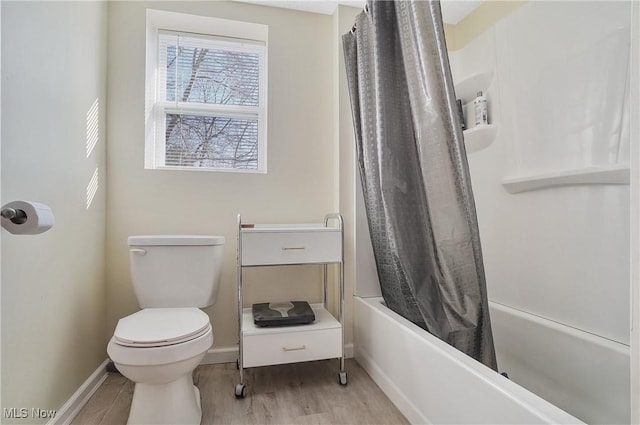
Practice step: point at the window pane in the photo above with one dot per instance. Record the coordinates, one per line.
(218, 76)
(215, 142)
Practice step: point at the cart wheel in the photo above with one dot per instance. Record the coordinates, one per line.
(241, 391)
(238, 364)
(342, 378)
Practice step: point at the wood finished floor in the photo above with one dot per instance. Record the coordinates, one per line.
(299, 393)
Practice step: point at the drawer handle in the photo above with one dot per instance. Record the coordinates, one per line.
(293, 248)
(302, 347)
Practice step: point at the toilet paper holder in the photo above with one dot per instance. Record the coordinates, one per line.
(17, 216)
(26, 217)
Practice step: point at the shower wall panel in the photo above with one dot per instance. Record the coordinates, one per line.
(561, 253)
(559, 97)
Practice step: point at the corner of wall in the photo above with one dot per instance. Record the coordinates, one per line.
(344, 17)
(450, 37)
(478, 21)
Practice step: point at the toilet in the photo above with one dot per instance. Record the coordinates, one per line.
(159, 346)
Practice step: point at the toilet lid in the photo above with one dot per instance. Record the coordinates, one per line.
(156, 327)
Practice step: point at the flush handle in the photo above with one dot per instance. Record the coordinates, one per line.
(138, 251)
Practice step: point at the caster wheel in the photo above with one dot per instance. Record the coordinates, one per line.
(237, 364)
(342, 378)
(241, 391)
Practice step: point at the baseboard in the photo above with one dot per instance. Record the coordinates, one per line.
(230, 354)
(72, 407)
(391, 390)
(220, 355)
(348, 351)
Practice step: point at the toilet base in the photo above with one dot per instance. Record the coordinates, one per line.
(164, 392)
(176, 402)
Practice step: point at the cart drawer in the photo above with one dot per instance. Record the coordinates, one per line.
(295, 247)
(291, 347)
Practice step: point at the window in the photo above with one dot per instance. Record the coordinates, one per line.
(209, 101)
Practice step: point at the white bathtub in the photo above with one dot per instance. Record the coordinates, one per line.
(581, 373)
(433, 383)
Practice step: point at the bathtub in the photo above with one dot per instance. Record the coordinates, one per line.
(581, 373)
(433, 383)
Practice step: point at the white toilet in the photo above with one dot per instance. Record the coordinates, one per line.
(159, 346)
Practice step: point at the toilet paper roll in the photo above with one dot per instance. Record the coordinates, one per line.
(39, 218)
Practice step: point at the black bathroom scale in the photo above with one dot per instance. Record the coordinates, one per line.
(285, 313)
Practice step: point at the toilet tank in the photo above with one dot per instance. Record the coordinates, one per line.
(175, 270)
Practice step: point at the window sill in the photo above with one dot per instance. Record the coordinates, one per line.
(206, 169)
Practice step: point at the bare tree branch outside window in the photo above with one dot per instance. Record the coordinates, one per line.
(211, 76)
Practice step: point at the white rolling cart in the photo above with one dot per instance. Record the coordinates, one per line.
(291, 244)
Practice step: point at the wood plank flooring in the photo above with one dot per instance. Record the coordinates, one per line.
(300, 393)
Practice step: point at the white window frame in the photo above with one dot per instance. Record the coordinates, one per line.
(246, 37)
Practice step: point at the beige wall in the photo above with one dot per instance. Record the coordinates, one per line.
(299, 186)
(60, 302)
(481, 19)
(344, 18)
(53, 288)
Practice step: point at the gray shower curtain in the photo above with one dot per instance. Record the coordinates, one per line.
(414, 173)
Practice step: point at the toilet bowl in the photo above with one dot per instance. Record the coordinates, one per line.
(158, 349)
(159, 346)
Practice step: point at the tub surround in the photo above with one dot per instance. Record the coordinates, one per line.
(556, 257)
(556, 247)
(432, 382)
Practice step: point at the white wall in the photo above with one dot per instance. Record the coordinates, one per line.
(561, 253)
(557, 253)
(299, 186)
(53, 287)
(635, 215)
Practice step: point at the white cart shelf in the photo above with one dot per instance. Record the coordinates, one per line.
(275, 245)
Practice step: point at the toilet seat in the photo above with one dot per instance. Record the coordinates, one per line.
(160, 336)
(165, 355)
(159, 327)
